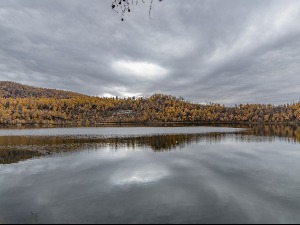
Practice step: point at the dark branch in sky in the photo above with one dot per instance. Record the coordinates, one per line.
(125, 6)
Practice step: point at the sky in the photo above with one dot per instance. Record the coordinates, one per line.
(222, 51)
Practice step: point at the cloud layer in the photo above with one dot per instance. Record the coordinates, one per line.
(217, 51)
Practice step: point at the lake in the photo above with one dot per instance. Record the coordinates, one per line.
(150, 175)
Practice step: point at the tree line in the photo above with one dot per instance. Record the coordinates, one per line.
(159, 108)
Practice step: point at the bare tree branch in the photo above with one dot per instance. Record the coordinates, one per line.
(124, 6)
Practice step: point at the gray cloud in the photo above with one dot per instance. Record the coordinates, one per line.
(221, 51)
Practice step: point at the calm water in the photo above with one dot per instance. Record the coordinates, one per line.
(150, 175)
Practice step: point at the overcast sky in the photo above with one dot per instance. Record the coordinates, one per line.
(226, 51)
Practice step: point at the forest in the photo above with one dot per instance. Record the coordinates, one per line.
(25, 105)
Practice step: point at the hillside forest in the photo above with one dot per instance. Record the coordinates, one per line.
(26, 105)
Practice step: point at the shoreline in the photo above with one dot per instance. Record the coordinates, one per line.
(148, 124)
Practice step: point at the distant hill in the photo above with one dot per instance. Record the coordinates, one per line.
(15, 90)
(40, 106)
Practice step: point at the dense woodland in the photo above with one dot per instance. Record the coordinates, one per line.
(20, 104)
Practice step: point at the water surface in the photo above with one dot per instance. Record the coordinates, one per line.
(150, 175)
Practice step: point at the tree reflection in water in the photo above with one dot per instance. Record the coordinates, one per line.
(18, 148)
(15, 156)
